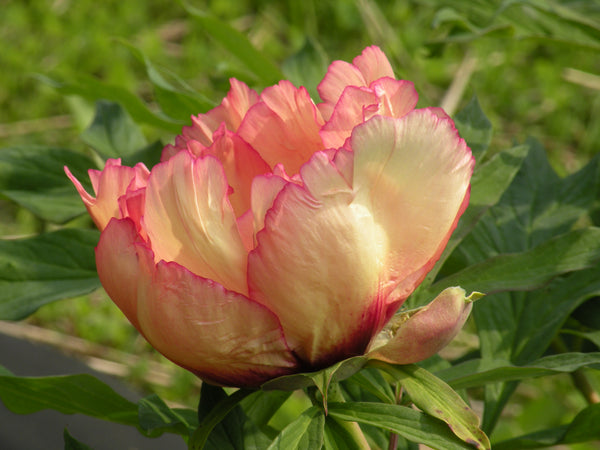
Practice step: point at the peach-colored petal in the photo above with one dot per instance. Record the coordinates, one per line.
(317, 266)
(189, 219)
(241, 164)
(425, 332)
(220, 335)
(412, 175)
(118, 266)
(373, 64)
(284, 126)
(385, 96)
(264, 190)
(109, 184)
(369, 66)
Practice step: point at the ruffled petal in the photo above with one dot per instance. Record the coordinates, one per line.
(221, 336)
(284, 126)
(241, 164)
(426, 332)
(109, 184)
(118, 266)
(373, 64)
(412, 175)
(189, 220)
(317, 266)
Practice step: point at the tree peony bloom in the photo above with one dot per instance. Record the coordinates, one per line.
(277, 236)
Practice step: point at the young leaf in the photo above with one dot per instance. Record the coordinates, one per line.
(48, 267)
(413, 425)
(436, 398)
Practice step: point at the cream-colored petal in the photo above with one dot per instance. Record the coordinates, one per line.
(412, 175)
(189, 220)
(407, 340)
(317, 266)
(221, 336)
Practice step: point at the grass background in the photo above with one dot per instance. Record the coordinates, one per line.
(533, 77)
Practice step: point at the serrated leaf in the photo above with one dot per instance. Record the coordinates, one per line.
(413, 425)
(34, 178)
(48, 267)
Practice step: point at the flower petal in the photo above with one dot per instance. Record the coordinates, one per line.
(221, 336)
(284, 126)
(373, 64)
(118, 266)
(317, 266)
(425, 332)
(412, 174)
(189, 220)
(109, 184)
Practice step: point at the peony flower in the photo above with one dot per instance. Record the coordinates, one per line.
(277, 236)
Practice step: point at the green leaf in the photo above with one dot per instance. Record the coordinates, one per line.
(113, 133)
(93, 89)
(478, 372)
(436, 398)
(307, 66)
(475, 128)
(73, 444)
(175, 97)
(583, 428)
(369, 381)
(304, 433)
(72, 394)
(154, 415)
(48, 267)
(238, 45)
(34, 178)
(215, 405)
(262, 406)
(413, 425)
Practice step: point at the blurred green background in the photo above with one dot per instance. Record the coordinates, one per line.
(534, 66)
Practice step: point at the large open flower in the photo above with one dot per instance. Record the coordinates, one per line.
(277, 236)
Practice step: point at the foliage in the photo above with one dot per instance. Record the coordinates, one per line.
(529, 239)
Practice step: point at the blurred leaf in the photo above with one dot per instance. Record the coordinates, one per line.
(583, 428)
(436, 398)
(238, 45)
(523, 19)
(93, 89)
(34, 178)
(475, 128)
(478, 372)
(307, 67)
(176, 98)
(44, 268)
(304, 433)
(409, 423)
(73, 444)
(154, 415)
(72, 394)
(113, 133)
